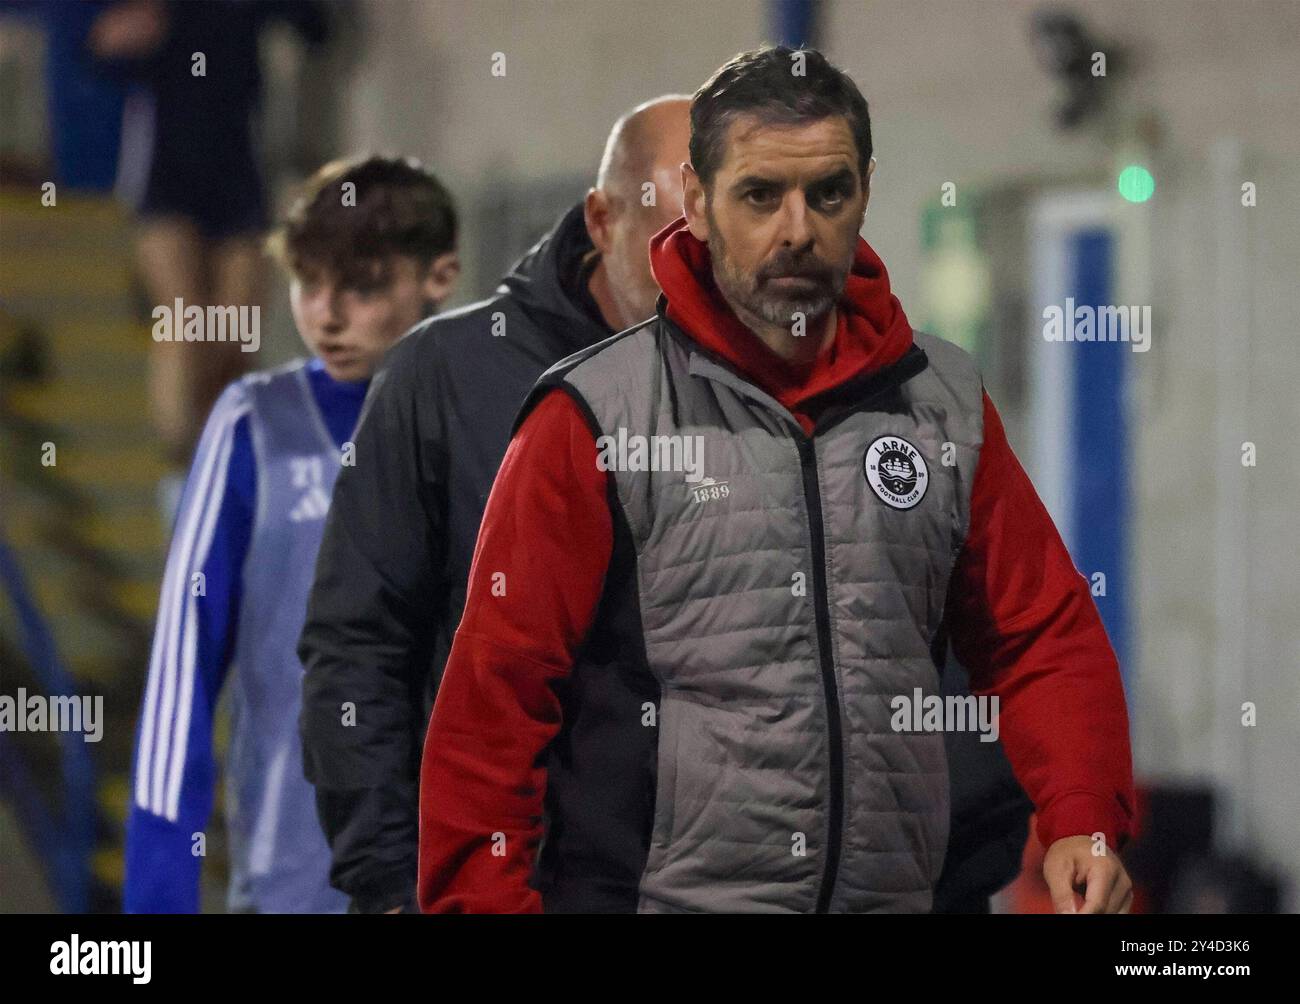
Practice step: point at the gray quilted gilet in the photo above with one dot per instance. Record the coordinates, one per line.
(784, 603)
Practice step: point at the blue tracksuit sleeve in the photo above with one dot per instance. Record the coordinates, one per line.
(173, 775)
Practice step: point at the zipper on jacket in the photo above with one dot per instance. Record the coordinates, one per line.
(821, 604)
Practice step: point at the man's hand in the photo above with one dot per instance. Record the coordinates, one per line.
(1070, 867)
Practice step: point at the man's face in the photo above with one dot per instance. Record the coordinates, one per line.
(781, 217)
(351, 327)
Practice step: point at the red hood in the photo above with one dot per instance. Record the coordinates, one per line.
(872, 333)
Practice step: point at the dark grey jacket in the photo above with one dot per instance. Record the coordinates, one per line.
(390, 579)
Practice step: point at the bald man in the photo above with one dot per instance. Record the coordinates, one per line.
(638, 192)
(394, 561)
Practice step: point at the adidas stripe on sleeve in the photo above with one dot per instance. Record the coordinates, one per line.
(173, 774)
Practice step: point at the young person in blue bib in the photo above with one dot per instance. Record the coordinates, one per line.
(370, 249)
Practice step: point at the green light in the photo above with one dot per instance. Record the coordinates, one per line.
(1136, 183)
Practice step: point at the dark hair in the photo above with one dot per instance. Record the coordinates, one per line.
(762, 83)
(395, 208)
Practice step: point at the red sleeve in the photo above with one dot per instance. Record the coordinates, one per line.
(537, 575)
(1022, 620)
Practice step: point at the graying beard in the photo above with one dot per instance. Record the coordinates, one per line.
(783, 311)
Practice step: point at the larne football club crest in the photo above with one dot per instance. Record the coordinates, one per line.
(896, 472)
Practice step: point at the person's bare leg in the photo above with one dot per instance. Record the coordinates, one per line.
(238, 269)
(170, 253)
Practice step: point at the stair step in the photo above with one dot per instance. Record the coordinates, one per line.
(47, 272)
(119, 405)
(81, 222)
(114, 795)
(111, 468)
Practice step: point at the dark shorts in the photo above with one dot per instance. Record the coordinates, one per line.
(204, 169)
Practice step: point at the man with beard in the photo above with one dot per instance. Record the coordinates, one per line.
(390, 580)
(682, 690)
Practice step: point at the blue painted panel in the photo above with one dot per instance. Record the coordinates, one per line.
(1100, 441)
(794, 22)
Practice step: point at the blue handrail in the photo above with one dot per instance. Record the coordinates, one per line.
(64, 836)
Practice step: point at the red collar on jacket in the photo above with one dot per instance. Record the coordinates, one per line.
(872, 332)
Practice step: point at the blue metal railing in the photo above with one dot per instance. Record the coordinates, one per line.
(61, 831)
